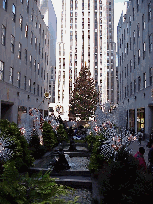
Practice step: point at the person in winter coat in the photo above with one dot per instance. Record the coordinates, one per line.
(139, 156)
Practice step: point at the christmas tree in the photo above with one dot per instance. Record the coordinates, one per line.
(84, 96)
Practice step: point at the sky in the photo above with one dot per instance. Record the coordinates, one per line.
(118, 7)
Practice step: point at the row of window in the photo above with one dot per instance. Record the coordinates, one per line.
(44, 36)
(144, 49)
(138, 5)
(138, 26)
(3, 39)
(11, 76)
(129, 90)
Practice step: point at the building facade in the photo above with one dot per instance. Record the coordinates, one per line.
(85, 36)
(24, 59)
(135, 64)
(47, 10)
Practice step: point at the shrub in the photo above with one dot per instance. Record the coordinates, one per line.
(49, 137)
(37, 150)
(16, 146)
(61, 134)
(124, 181)
(22, 189)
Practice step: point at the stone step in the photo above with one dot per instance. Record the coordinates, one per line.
(61, 173)
(72, 173)
(74, 181)
(74, 154)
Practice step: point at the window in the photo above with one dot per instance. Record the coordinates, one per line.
(125, 72)
(30, 85)
(45, 39)
(127, 48)
(34, 63)
(134, 86)
(25, 82)
(144, 81)
(47, 77)
(26, 31)
(143, 22)
(38, 69)
(27, 6)
(39, 48)
(21, 1)
(150, 43)
(133, 14)
(36, 24)
(139, 83)
(130, 88)
(40, 29)
(26, 54)
(11, 75)
(12, 43)
(151, 76)
(35, 43)
(130, 65)
(41, 72)
(41, 91)
(130, 43)
(30, 60)
(134, 37)
(47, 59)
(37, 90)
(19, 52)
(125, 92)
(138, 30)
(138, 5)
(44, 75)
(42, 53)
(149, 11)
(129, 20)
(31, 39)
(3, 35)
(134, 61)
(144, 49)
(43, 34)
(20, 22)
(5, 5)
(139, 56)
(1, 70)
(18, 79)
(13, 12)
(32, 12)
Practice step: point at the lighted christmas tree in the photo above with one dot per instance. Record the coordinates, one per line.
(84, 96)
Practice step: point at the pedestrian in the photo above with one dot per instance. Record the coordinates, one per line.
(139, 137)
(139, 156)
(150, 158)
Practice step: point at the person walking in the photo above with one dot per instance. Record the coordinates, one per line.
(150, 159)
(139, 156)
(139, 137)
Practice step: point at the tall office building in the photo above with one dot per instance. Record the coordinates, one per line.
(135, 64)
(47, 10)
(85, 36)
(24, 54)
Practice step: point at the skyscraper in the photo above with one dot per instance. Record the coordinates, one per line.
(85, 36)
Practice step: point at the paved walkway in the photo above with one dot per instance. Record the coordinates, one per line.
(135, 147)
